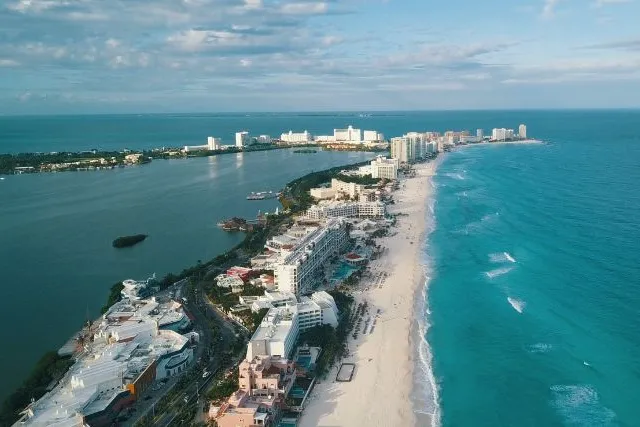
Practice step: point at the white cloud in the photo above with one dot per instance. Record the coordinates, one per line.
(5, 62)
(304, 8)
(549, 8)
(601, 3)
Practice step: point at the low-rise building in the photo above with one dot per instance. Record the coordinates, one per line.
(296, 137)
(128, 351)
(243, 410)
(346, 209)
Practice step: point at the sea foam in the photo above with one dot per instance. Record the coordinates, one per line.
(501, 257)
(498, 272)
(518, 305)
(580, 405)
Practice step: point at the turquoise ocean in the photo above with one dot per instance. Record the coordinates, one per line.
(534, 285)
(534, 297)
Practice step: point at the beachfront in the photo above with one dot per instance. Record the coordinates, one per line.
(380, 392)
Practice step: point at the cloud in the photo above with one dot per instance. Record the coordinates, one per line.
(602, 3)
(549, 8)
(631, 45)
(4, 62)
(304, 8)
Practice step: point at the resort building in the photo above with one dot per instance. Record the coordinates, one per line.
(234, 283)
(242, 139)
(296, 138)
(346, 209)
(266, 376)
(414, 146)
(349, 135)
(213, 143)
(384, 168)
(372, 136)
(503, 134)
(263, 139)
(117, 360)
(136, 290)
(299, 269)
(480, 134)
(243, 410)
(276, 334)
(317, 309)
(522, 131)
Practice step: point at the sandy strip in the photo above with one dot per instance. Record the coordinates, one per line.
(380, 393)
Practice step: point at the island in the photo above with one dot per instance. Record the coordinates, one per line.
(305, 151)
(128, 241)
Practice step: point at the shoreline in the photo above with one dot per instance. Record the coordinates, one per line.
(387, 354)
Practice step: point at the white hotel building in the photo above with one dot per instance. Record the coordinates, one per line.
(242, 139)
(279, 329)
(346, 209)
(296, 138)
(413, 146)
(384, 168)
(298, 270)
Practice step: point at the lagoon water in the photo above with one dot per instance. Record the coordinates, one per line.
(533, 295)
(535, 290)
(56, 230)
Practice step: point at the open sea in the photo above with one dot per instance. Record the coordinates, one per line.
(534, 295)
(534, 290)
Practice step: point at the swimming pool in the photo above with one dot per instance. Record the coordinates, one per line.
(304, 361)
(343, 271)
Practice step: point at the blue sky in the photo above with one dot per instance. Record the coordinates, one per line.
(71, 56)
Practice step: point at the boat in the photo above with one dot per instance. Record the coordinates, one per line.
(262, 195)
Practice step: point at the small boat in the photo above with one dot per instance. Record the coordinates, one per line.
(262, 195)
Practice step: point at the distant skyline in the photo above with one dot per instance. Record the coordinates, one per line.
(137, 56)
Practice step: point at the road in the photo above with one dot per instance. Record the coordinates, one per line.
(217, 336)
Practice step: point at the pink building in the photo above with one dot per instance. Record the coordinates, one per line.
(241, 272)
(264, 383)
(242, 410)
(267, 376)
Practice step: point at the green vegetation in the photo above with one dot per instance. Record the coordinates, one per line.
(306, 151)
(114, 296)
(224, 387)
(298, 199)
(44, 161)
(50, 368)
(128, 241)
(362, 180)
(333, 341)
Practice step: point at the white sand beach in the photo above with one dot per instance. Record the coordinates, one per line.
(380, 392)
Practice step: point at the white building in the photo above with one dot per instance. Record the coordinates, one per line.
(278, 331)
(299, 270)
(499, 134)
(522, 131)
(315, 310)
(349, 135)
(346, 210)
(323, 193)
(372, 136)
(276, 335)
(213, 143)
(480, 134)
(296, 138)
(384, 168)
(128, 352)
(263, 139)
(242, 139)
(413, 146)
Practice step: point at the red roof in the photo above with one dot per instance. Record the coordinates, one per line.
(352, 255)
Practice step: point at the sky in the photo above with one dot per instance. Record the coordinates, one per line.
(127, 56)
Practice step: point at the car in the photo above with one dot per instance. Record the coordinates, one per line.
(147, 398)
(186, 398)
(205, 374)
